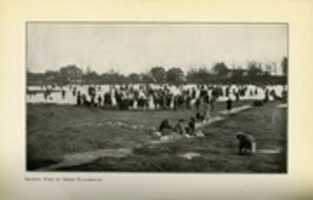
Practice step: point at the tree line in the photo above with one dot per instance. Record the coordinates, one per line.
(220, 73)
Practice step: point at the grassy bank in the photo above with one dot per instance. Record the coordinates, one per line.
(55, 130)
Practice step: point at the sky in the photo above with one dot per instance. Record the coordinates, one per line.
(128, 48)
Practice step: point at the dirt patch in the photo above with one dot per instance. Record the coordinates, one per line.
(88, 157)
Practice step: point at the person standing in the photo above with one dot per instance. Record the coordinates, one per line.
(99, 104)
(78, 99)
(229, 105)
(63, 93)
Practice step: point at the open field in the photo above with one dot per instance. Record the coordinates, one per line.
(56, 130)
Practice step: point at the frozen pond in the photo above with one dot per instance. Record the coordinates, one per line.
(35, 94)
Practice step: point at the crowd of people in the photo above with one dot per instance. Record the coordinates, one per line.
(157, 97)
(145, 97)
(127, 97)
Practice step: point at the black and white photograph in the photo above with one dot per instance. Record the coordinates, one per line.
(157, 97)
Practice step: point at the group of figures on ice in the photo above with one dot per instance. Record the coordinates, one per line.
(153, 97)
